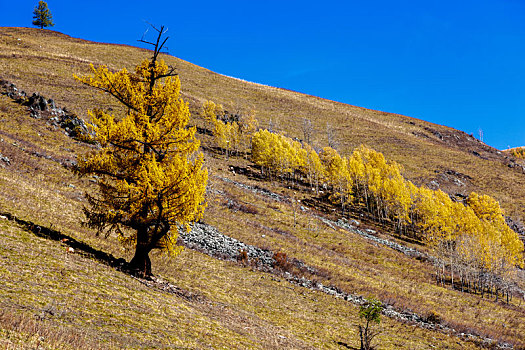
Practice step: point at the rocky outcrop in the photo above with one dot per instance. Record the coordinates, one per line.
(517, 226)
(43, 108)
(369, 234)
(256, 190)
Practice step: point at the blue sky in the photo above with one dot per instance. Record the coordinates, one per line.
(456, 63)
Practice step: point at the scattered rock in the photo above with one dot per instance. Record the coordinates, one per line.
(353, 222)
(5, 159)
(447, 177)
(209, 240)
(42, 108)
(434, 184)
(368, 234)
(477, 154)
(435, 133)
(516, 225)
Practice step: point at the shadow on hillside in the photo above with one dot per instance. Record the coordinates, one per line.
(104, 258)
(48, 233)
(251, 172)
(323, 204)
(345, 345)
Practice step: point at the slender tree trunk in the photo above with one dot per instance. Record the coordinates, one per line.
(361, 338)
(452, 275)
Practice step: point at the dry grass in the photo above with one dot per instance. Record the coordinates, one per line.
(353, 264)
(88, 305)
(75, 302)
(45, 61)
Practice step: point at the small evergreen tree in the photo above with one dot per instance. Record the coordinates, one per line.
(370, 313)
(42, 16)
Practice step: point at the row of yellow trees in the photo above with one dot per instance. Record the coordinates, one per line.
(472, 239)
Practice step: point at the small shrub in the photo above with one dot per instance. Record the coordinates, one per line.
(432, 317)
(243, 256)
(281, 261)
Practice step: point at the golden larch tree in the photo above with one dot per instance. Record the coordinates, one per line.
(150, 175)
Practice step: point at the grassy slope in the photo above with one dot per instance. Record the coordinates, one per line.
(44, 61)
(73, 301)
(237, 307)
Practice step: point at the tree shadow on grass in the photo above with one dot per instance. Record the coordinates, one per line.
(102, 257)
(345, 345)
(49, 233)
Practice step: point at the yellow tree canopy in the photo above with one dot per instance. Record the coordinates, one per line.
(498, 233)
(150, 175)
(315, 168)
(335, 166)
(262, 147)
(210, 110)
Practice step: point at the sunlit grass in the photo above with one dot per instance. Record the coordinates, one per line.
(238, 307)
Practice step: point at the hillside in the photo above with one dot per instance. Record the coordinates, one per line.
(429, 152)
(57, 298)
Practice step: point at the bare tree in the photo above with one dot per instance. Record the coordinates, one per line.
(308, 130)
(330, 136)
(480, 133)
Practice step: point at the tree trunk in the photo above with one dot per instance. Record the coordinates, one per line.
(141, 264)
(362, 338)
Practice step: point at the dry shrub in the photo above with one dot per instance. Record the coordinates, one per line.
(248, 208)
(281, 262)
(432, 317)
(243, 256)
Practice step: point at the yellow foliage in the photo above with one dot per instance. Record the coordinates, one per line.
(486, 208)
(518, 152)
(337, 174)
(230, 136)
(150, 175)
(248, 127)
(210, 110)
(478, 229)
(314, 167)
(498, 234)
(277, 153)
